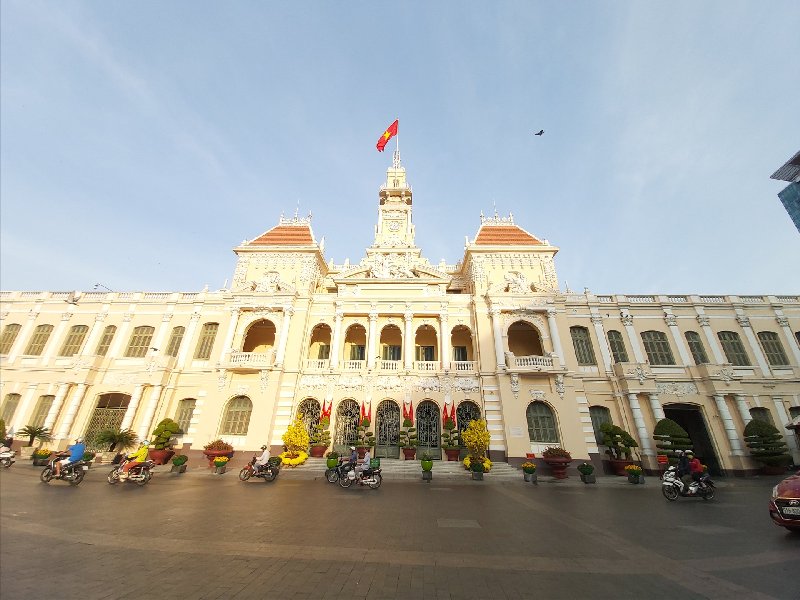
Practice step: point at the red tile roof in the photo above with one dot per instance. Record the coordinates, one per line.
(505, 235)
(285, 235)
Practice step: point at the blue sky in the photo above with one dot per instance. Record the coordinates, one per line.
(142, 141)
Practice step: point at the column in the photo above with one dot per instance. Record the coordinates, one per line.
(147, 419)
(22, 410)
(130, 413)
(755, 347)
(408, 341)
(672, 323)
(372, 339)
(188, 339)
(783, 417)
(551, 322)
(791, 342)
(497, 326)
(638, 419)
(56, 338)
(444, 342)
(52, 414)
(288, 311)
(741, 405)
(605, 352)
(337, 335)
(627, 322)
(72, 409)
(227, 347)
(711, 340)
(91, 340)
(121, 337)
(655, 406)
(23, 337)
(727, 423)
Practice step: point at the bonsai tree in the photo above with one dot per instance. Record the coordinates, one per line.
(180, 460)
(766, 444)
(450, 435)
(476, 438)
(408, 435)
(116, 439)
(555, 452)
(163, 434)
(670, 437)
(366, 439)
(321, 436)
(618, 441)
(35, 432)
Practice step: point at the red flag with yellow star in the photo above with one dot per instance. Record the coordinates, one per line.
(390, 132)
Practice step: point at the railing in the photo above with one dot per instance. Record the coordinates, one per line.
(353, 365)
(156, 296)
(190, 296)
(252, 359)
(463, 365)
(426, 365)
(533, 361)
(713, 299)
(605, 299)
(390, 365)
(317, 364)
(787, 298)
(752, 299)
(678, 299)
(640, 299)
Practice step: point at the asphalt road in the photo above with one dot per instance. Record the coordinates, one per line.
(207, 536)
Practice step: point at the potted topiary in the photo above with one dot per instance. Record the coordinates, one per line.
(619, 444)
(529, 471)
(587, 473)
(162, 441)
(670, 437)
(450, 440)
(179, 464)
(476, 438)
(217, 448)
(426, 462)
(220, 464)
(635, 474)
(558, 460)
(320, 440)
(117, 441)
(408, 439)
(767, 446)
(364, 436)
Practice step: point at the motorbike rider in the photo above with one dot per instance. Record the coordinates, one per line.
(363, 467)
(353, 456)
(134, 459)
(262, 460)
(7, 442)
(695, 469)
(74, 453)
(683, 470)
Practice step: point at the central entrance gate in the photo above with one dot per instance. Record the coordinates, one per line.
(388, 430)
(429, 430)
(466, 412)
(108, 414)
(346, 427)
(309, 412)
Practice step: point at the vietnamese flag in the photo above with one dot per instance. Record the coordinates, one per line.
(390, 132)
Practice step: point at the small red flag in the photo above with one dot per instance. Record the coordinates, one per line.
(390, 132)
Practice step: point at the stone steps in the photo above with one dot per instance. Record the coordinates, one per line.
(405, 469)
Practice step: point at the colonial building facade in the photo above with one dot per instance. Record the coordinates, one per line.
(491, 337)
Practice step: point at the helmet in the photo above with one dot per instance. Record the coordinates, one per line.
(264, 447)
(352, 447)
(145, 443)
(690, 453)
(679, 452)
(79, 439)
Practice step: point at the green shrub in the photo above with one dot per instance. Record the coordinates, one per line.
(180, 460)
(115, 439)
(618, 441)
(163, 434)
(766, 444)
(671, 437)
(585, 469)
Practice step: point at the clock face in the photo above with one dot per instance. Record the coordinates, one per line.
(394, 225)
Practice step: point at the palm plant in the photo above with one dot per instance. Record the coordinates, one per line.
(35, 432)
(116, 439)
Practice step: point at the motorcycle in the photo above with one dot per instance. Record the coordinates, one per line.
(139, 474)
(672, 486)
(7, 457)
(369, 477)
(268, 472)
(73, 472)
(336, 473)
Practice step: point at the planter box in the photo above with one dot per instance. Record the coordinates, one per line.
(219, 470)
(318, 451)
(26, 452)
(477, 475)
(635, 478)
(178, 468)
(427, 475)
(160, 457)
(530, 477)
(590, 478)
(40, 462)
(409, 453)
(212, 454)
(452, 453)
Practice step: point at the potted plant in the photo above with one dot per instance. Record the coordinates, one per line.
(41, 456)
(408, 439)
(295, 440)
(477, 469)
(450, 440)
(117, 441)
(670, 437)
(558, 460)
(179, 464)
(587, 473)
(476, 438)
(767, 446)
(332, 459)
(33, 432)
(529, 471)
(320, 440)
(88, 458)
(635, 474)
(162, 441)
(217, 448)
(220, 464)
(426, 462)
(364, 437)
(619, 444)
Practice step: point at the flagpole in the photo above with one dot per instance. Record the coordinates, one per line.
(398, 136)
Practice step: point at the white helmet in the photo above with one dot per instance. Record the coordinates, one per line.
(352, 447)
(264, 447)
(79, 440)
(145, 443)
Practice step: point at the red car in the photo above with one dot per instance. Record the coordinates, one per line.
(784, 508)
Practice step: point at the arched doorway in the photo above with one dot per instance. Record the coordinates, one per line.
(108, 414)
(309, 412)
(429, 429)
(690, 417)
(346, 434)
(467, 411)
(388, 430)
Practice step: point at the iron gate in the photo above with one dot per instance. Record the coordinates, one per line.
(108, 414)
(467, 411)
(346, 427)
(388, 434)
(309, 412)
(429, 430)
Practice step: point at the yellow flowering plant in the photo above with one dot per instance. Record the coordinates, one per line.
(293, 461)
(221, 461)
(41, 453)
(487, 464)
(633, 469)
(296, 439)
(529, 467)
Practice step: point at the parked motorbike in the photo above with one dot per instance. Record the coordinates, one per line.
(336, 473)
(369, 477)
(268, 472)
(139, 474)
(672, 486)
(71, 472)
(7, 458)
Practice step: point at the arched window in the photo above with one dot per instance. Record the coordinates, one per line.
(583, 346)
(391, 343)
(236, 418)
(10, 333)
(320, 346)
(425, 344)
(41, 410)
(74, 342)
(773, 349)
(175, 339)
(599, 415)
(617, 347)
(541, 423)
(206, 341)
(9, 408)
(762, 414)
(355, 341)
(40, 336)
(657, 348)
(461, 343)
(184, 414)
(696, 348)
(733, 348)
(524, 339)
(794, 412)
(260, 337)
(105, 341)
(139, 342)
(108, 414)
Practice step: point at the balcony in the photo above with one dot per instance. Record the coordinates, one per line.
(427, 365)
(250, 361)
(390, 365)
(353, 365)
(317, 364)
(532, 364)
(463, 366)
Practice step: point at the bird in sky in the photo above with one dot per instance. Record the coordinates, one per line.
(540, 132)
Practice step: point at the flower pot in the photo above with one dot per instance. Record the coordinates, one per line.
(427, 475)
(178, 468)
(635, 478)
(477, 475)
(588, 478)
(452, 453)
(618, 466)
(558, 466)
(219, 470)
(409, 453)
(160, 457)
(318, 451)
(331, 463)
(212, 454)
(530, 477)
(361, 451)
(426, 465)
(41, 462)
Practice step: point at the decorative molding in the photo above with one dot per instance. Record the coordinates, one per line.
(515, 385)
(536, 395)
(671, 320)
(743, 321)
(627, 320)
(703, 320)
(782, 321)
(427, 384)
(466, 384)
(350, 382)
(560, 385)
(676, 388)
